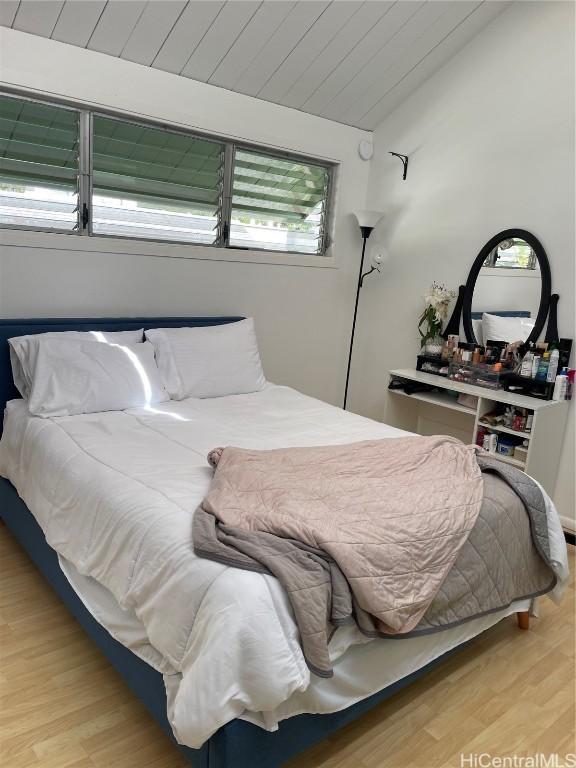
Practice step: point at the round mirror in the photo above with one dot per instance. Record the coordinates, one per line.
(507, 293)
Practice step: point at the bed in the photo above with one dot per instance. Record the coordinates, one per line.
(259, 723)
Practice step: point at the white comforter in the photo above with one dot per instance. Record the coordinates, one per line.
(115, 494)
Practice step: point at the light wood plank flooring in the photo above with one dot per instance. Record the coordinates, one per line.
(63, 705)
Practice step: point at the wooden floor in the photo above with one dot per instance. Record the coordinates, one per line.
(63, 706)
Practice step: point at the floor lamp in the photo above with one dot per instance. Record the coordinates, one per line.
(367, 220)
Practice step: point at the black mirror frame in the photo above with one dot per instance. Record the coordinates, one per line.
(545, 293)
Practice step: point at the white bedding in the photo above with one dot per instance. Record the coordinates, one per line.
(115, 494)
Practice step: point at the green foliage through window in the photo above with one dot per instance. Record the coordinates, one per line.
(39, 164)
(65, 169)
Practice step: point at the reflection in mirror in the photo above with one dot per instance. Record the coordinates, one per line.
(508, 289)
(513, 253)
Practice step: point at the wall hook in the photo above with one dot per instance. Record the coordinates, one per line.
(404, 159)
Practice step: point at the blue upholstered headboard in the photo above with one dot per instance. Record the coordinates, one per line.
(10, 328)
(501, 313)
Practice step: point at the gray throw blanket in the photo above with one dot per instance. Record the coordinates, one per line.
(498, 540)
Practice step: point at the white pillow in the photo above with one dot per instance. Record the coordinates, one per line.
(477, 328)
(69, 378)
(20, 349)
(510, 329)
(213, 361)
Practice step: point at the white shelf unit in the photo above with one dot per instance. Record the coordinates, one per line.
(439, 412)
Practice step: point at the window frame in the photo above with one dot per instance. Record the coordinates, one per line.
(70, 108)
(170, 129)
(327, 219)
(86, 114)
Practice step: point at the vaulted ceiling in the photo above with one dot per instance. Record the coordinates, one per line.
(346, 60)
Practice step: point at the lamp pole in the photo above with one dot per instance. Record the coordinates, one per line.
(365, 232)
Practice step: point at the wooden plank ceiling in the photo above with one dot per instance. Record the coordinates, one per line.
(346, 60)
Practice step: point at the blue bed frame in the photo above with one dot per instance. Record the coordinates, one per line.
(237, 744)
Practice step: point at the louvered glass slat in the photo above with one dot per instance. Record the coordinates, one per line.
(205, 175)
(248, 179)
(279, 165)
(278, 204)
(39, 158)
(155, 184)
(135, 188)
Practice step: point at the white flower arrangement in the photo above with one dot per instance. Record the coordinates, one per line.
(437, 301)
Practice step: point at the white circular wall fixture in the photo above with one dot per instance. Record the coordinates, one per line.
(365, 149)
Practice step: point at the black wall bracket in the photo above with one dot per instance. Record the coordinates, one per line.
(369, 272)
(404, 159)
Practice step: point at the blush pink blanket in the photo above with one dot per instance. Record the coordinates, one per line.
(392, 514)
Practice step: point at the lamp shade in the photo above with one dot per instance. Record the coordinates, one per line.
(368, 218)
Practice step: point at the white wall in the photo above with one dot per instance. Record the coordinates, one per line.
(491, 145)
(302, 312)
(490, 139)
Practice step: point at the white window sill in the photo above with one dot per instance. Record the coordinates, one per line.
(73, 242)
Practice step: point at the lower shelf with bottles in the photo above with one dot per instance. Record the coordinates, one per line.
(442, 410)
(505, 431)
(503, 448)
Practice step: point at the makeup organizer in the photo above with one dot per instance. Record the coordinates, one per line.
(530, 370)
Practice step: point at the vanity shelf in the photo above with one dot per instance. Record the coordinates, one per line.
(437, 412)
(439, 398)
(507, 295)
(507, 460)
(505, 430)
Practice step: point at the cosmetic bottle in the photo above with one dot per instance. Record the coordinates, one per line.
(468, 353)
(480, 435)
(535, 364)
(553, 366)
(571, 377)
(561, 385)
(506, 446)
(527, 361)
(542, 372)
(453, 340)
(519, 422)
